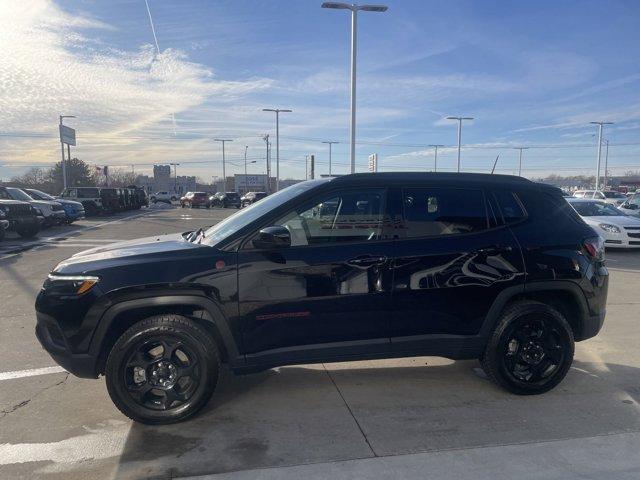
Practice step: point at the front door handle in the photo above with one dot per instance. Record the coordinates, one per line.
(367, 261)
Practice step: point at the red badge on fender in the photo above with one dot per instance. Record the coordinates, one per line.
(220, 264)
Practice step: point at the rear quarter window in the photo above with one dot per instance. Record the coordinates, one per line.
(547, 206)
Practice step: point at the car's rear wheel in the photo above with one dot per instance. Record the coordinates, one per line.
(162, 369)
(530, 350)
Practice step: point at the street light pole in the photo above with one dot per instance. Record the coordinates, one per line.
(175, 177)
(330, 143)
(246, 183)
(435, 157)
(224, 173)
(459, 120)
(600, 125)
(354, 44)
(520, 160)
(64, 165)
(277, 110)
(606, 161)
(266, 141)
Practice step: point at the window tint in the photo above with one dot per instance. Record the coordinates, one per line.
(4, 195)
(88, 193)
(509, 206)
(443, 211)
(349, 216)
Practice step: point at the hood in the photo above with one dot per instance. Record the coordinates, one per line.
(13, 202)
(622, 221)
(44, 203)
(68, 202)
(111, 254)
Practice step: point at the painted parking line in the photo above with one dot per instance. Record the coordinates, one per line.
(33, 372)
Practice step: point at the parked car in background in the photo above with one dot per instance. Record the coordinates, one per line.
(195, 200)
(73, 210)
(51, 211)
(18, 216)
(140, 198)
(488, 267)
(618, 229)
(609, 196)
(631, 206)
(164, 196)
(225, 200)
(251, 197)
(110, 199)
(89, 197)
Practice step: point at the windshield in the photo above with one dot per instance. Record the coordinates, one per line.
(18, 194)
(235, 222)
(596, 209)
(37, 194)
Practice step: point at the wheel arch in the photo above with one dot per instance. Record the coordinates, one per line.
(564, 296)
(124, 313)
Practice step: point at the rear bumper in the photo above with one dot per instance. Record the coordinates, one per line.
(592, 325)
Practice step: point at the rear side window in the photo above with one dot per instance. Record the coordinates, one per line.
(543, 205)
(443, 211)
(88, 193)
(510, 206)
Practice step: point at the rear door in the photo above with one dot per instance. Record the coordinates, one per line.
(454, 257)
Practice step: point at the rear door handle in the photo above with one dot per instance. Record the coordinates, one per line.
(367, 261)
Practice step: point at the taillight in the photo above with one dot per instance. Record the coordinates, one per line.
(594, 247)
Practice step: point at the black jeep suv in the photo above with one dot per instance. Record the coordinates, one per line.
(356, 267)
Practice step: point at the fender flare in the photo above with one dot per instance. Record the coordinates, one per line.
(152, 299)
(510, 293)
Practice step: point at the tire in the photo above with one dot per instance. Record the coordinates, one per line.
(531, 349)
(145, 344)
(28, 232)
(182, 205)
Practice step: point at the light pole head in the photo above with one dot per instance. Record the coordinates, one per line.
(337, 5)
(372, 8)
(222, 140)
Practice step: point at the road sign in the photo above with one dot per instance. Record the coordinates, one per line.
(67, 135)
(373, 162)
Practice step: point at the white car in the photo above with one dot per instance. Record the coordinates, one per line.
(631, 206)
(52, 211)
(164, 196)
(609, 196)
(618, 229)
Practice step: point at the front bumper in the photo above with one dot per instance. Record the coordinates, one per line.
(29, 222)
(53, 341)
(624, 239)
(57, 217)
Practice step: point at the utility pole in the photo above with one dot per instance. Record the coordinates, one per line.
(330, 143)
(520, 160)
(459, 120)
(435, 157)
(600, 125)
(354, 39)
(277, 111)
(606, 161)
(313, 167)
(175, 177)
(224, 173)
(306, 167)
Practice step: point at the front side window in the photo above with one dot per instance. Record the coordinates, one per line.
(88, 193)
(443, 211)
(354, 215)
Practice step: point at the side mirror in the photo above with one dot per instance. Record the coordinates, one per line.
(271, 238)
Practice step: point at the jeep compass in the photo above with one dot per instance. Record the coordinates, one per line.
(363, 266)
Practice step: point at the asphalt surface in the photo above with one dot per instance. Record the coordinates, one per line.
(411, 418)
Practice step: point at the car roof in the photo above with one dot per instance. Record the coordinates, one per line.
(441, 176)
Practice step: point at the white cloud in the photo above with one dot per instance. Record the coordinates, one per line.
(55, 62)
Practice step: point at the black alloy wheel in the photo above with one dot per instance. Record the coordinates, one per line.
(531, 349)
(162, 370)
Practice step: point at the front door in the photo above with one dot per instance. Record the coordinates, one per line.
(326, 295)
(453, 258)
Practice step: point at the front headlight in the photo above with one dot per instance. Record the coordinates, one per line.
(70, 285)
(607, 227)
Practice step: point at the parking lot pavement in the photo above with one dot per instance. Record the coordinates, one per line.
(402, 418)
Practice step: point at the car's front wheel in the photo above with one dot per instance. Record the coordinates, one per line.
(28, 232)
(530, 350)
(162, 369)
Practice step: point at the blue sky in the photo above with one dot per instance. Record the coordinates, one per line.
(531, 73)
